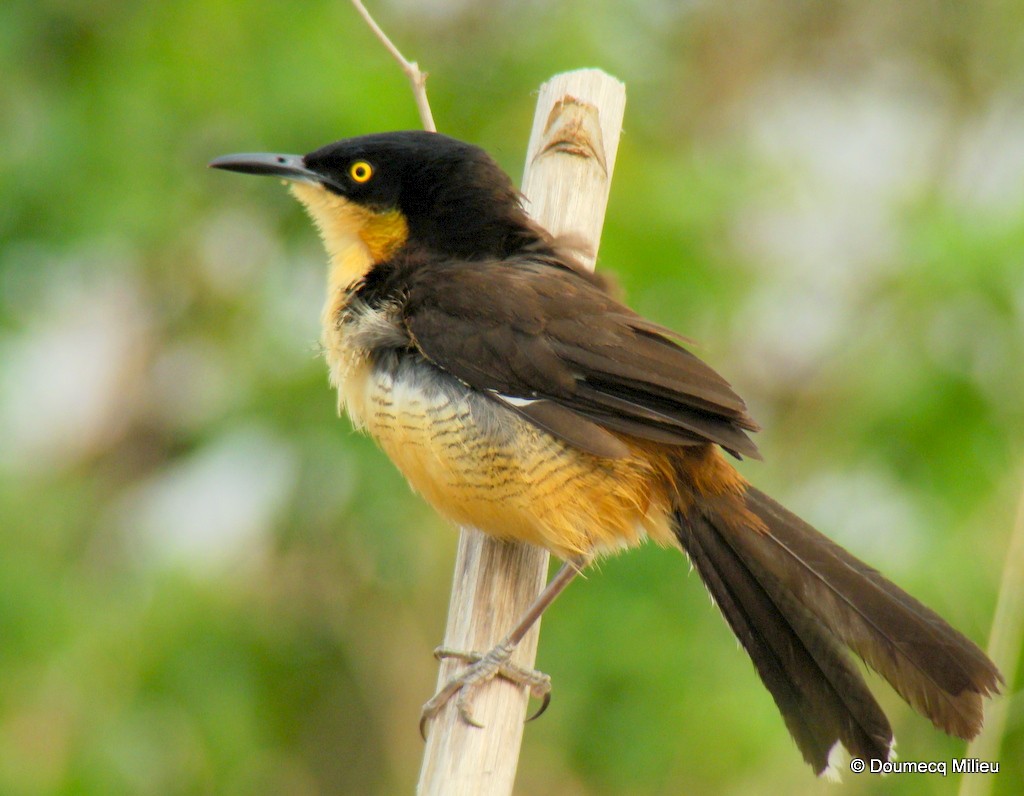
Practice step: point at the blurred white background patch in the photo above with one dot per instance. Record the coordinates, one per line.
(71, 377)
(216, 506)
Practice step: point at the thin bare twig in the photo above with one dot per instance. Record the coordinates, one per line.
(412, 71)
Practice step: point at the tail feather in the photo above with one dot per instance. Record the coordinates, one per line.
(795, 599)
(821, 697)
(940, 672)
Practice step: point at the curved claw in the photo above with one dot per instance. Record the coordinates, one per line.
(435, 703)
(462, 704)
(546, 700)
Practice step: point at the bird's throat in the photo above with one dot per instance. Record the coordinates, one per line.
(356, 237)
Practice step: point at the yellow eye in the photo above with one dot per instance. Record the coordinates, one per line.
(360, 171)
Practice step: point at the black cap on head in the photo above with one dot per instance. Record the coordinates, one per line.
(453, 195)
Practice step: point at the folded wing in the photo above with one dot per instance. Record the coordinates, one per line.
(567, 356)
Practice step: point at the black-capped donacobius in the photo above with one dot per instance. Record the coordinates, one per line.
(520, 397)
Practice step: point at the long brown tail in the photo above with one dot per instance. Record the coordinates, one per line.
(794, 599)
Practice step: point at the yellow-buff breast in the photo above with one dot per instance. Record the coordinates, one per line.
(480, 464)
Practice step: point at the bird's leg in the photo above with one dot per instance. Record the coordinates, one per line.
(496, 662)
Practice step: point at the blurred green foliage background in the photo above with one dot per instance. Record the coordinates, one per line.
(209, 584)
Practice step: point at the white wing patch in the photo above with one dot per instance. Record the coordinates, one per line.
(513, 400)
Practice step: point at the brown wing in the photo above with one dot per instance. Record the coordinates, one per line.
(564, 354)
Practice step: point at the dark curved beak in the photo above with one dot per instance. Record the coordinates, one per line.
(288, 167)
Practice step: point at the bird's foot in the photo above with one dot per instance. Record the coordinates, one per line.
(483, 668)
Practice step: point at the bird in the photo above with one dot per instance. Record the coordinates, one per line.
(519, 396)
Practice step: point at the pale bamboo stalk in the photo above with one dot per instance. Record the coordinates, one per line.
(569, 164)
